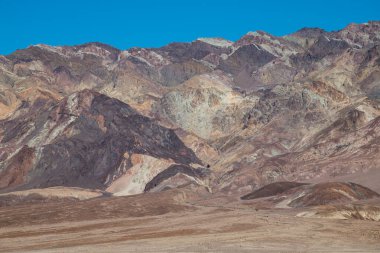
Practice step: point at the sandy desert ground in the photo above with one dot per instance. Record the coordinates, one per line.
(171, 222)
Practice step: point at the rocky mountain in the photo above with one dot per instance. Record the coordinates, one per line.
(216, 115)
(90, 140)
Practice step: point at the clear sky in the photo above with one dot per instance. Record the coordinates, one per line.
(149, 23)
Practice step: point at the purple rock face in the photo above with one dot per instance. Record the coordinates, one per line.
(98, 131)
(247, 58)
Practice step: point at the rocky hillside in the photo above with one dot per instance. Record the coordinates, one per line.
(213, 114)
(292, 194)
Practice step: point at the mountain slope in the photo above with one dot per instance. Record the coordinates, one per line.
(86, 139)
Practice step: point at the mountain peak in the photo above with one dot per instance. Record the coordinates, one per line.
(309, 32)
(218, 42)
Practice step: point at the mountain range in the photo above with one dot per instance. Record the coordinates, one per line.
(210, 115)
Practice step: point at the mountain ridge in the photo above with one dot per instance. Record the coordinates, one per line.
(301, 30)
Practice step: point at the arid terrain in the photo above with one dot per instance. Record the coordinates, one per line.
(267, 143)
(155, 223)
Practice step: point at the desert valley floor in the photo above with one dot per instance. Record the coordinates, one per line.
(169, 223)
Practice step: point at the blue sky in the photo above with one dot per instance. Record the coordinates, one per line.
(149, 23)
